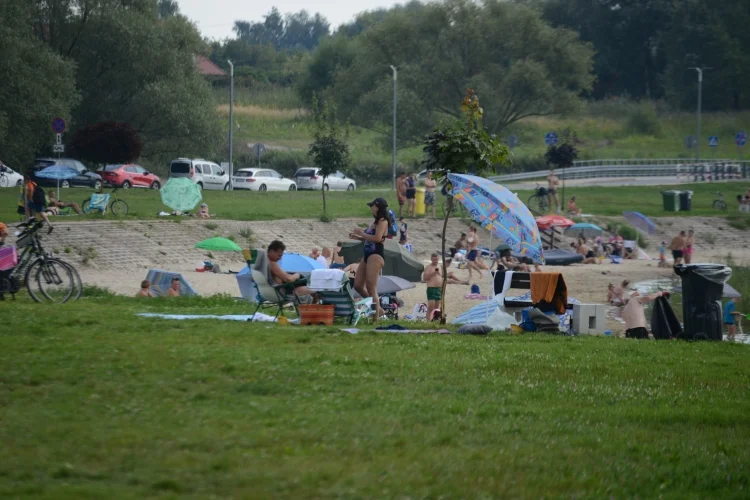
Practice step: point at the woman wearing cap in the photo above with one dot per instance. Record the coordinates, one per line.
(203, 212)
(368, 271)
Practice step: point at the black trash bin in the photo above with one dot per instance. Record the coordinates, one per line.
(686, 201)
(702, 289)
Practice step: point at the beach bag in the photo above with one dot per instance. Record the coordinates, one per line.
(475, 289)
(38, 197)
(393, 227)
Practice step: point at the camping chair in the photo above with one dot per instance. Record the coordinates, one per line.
(273, 295)
(98, 202)
(342, 299)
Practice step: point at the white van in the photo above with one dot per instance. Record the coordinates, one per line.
(207, 174)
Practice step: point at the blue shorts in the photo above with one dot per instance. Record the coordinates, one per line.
(337, 266)
(472, 255)
(34, 207)
(728, 323)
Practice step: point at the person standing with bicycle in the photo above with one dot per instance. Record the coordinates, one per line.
(552, 183)
(35, 201)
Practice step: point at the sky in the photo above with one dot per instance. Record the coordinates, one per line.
(215, 18)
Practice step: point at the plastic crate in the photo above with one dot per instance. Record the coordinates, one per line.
(316, 314)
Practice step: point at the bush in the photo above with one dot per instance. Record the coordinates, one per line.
(630, 233)
(645, 120)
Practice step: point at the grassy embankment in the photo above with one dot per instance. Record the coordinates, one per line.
(97, 402)
(245, 205)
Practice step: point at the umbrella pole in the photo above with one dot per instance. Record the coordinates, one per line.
(490, 295)
(58, 189)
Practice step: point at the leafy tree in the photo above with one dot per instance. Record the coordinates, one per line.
(463, 147)
(519, 64)
(37, 85)
(107, 142)
(329, 149)
(167, 8)
(293, 31)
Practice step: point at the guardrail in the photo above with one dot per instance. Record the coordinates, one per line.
(589, 169)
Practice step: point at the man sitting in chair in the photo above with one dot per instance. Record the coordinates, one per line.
(280, 277)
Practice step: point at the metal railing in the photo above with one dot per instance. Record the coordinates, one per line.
(713, 170)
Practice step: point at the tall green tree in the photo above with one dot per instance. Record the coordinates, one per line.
(329, 149)
(519, 64)
(461, 147)
(37, 85)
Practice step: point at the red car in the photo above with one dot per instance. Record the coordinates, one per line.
(130, 175)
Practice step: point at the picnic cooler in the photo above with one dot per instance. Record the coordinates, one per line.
(316, 314)
(8, 258)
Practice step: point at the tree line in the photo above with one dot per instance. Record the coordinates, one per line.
(91, 61)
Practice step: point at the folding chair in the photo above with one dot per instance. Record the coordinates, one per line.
(341, 297)
(273, 295)
(98, 202)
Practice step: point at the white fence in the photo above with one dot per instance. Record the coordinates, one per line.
(714, 170)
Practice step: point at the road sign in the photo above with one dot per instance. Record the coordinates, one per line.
(58, 125)
(691, 141)
(713, 141)
(58, 140)
(550, 139)
(259, 150)
(512, 141)
(58, 148)
(740, 138)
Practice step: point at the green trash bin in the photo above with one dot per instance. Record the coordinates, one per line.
(671, 201)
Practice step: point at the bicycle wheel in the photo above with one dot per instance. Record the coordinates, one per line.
(78, 284)
(538, 203)
(720, 205)
(119, 207)
(53, 279)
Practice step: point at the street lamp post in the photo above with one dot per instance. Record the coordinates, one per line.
(393, 161)
(231, 122)
(700, 99)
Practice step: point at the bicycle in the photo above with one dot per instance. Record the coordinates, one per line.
(720, 204)
(539, 200)
(116, 205)
(458, 208)
(55, 279)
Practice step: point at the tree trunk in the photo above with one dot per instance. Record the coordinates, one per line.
(323, 188)
(448, 211)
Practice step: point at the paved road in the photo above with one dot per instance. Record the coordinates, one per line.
(605, 181)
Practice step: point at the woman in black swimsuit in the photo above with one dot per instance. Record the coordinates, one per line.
(411, 196)
(368, 272)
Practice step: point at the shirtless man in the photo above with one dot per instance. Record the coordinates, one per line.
(280, 277)
(54, 202)
(452, 278)
(689, 242)
(433, 277)
(401, 193)
(174, 290)
(145, 290)
(552, 183)
(678, 247)
(429, 195)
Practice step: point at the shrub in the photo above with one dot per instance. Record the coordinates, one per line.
(644, 120)
(630, 233)
(210, 225)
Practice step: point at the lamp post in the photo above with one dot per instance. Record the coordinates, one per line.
(700, 99)
(393, 161)
(231, 122)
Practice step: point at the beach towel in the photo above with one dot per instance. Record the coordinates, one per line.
(549, 289)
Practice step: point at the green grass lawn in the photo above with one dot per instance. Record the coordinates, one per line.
(95, 402)
(249, 206)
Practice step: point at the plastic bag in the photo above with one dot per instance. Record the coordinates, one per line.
(500, 320)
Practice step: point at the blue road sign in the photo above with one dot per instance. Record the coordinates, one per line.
(713, 141)
(58, 125)
(740, 138)
(550, 139)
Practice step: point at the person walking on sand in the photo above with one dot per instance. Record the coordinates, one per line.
(368, 271)
(433, 277)
(472, 254)
(677, 246)
(401, 193)
(689, 242)
(552, 183)
(429, 195)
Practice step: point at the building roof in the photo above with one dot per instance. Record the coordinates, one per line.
(207, 68)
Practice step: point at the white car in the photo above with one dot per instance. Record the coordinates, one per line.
(206, 174)
(309, 178)
(9, 177)
(261, 179)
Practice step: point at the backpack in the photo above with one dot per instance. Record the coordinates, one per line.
(393, 227)
(39, 198)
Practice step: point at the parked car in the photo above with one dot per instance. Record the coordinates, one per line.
(129, 175)
(206, 174)
(309, 178)
(9, 177)
(262, 179)
(85, 177)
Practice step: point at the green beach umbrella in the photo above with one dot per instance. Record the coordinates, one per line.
(219, 245)
(180, 194)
